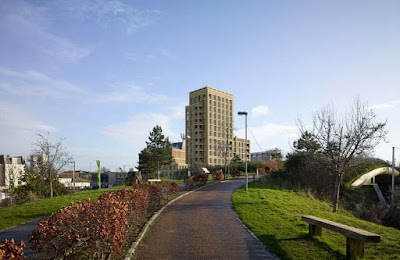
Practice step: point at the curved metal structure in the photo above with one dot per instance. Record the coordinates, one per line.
(364, 179)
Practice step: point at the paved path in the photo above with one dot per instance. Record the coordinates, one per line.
(20, 232)
(201, 225)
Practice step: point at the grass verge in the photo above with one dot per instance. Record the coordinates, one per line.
(15, 215)
(274, 216)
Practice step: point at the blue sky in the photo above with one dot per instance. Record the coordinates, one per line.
(102, 73)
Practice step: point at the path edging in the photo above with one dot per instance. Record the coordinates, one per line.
(247, 228)
(134, 245)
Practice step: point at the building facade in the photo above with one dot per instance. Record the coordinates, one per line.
(178, 151)
(239, 148)
(209, 128)
(12, 167)
(269, 155)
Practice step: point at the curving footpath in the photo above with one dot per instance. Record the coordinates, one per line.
(201, 225)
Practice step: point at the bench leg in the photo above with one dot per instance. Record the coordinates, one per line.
(354, 248)
(314, 230)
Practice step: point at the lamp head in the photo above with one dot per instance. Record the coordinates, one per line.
(242, 113)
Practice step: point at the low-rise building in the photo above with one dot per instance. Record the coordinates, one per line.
(239, 148)
(269, 155)
(67, 178)
(12, 167)
(178, 151)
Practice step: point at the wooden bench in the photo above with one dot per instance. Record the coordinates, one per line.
(355, 237)
(150, 181)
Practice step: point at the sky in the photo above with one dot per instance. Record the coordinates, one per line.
(102, 74)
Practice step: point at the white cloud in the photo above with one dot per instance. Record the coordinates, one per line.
(86, 157)
(151, 57)
(18, 129)
(135, 131)
(178, 111)
(259, 111)
(15, 117)
(270, 135)
(129, 93)
(108, 12)
(33, 83)
(131, 56)
(386, 105)
(27, 25)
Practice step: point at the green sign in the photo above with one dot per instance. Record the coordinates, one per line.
(98, 174)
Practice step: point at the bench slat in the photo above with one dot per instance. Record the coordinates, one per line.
(348, 231)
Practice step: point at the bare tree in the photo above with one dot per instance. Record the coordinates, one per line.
(53, 158)
(343, 137)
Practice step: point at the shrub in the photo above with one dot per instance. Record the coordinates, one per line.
(371, 212)
(392, 217)
(96, 229)
(10, 250)
(261, 171)
(168, 187)
(202, 178)
(271, 166)
(218, 175)
(189, 183)
(236, 173)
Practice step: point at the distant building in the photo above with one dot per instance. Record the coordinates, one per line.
(12, 167)
(67, 178)
(239, 148)
(209, 129)
(269, 155)
(178, 158)
(108, 179)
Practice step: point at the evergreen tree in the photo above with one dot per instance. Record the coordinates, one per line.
(156, 154)
(307, 143)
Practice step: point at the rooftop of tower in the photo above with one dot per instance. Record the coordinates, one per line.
(210, 88)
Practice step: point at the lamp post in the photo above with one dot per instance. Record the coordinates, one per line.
(73, 175)
(187, 139)
(246, 185)
(188, 146)
(393, 165)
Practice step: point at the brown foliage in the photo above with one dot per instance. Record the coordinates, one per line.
(218, 175)
(202, 178)
(95, 229)
(189, 183)
(11, 250)
(236, 173)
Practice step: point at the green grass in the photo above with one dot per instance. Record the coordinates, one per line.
(179, 181)
(274, 215)
(15, 215)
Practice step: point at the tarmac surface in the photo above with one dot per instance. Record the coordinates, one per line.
(20, 232)
(201, 225)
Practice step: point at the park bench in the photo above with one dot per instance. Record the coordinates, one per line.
(150, 181)
(355, 237)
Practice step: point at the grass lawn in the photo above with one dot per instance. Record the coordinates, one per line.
(179, 181)
(274, 215)
(15, 215)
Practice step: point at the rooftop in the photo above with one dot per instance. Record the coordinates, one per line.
(209, 88)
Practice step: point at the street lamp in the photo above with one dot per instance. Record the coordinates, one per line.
(393, 164)
(73, 175)
(188, 146)
(246, 185)
(187, 139)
